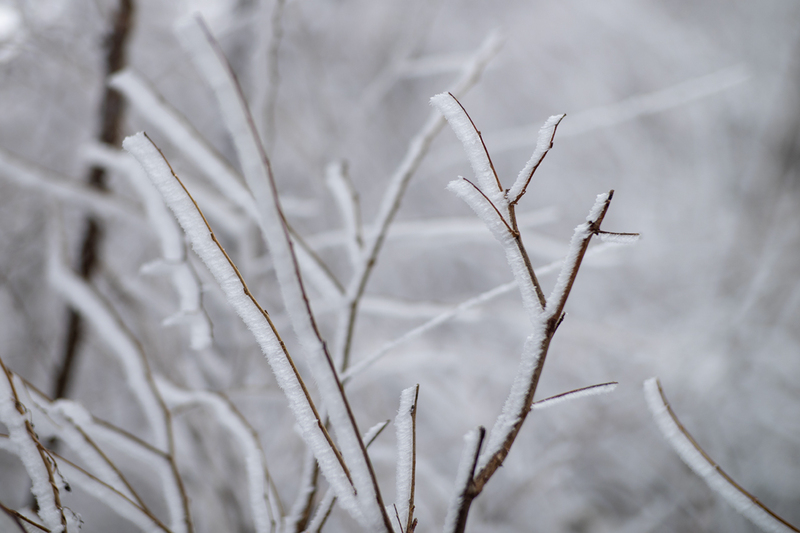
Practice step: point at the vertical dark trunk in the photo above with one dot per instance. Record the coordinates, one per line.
(111, 113)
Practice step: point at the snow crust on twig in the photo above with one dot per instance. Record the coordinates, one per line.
(84, 298)
(112, 498)
(593, 390)
(543, 144)
(515, 403)
(368, 508)
(137, 373)
(325, 505)
(576, 247)
(471, 140)
(464, 475)
(264, 500)
(170, 237)
(253, 316)
(702, 465)
(39, 464)
(405, 430)
(495, 217)
(346, 199)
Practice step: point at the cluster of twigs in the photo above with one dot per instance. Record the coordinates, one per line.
(337, 447)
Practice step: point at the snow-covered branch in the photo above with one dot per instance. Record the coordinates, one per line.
(704, 466)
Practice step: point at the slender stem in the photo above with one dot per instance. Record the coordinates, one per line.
(715, 466)
(483, 144)
(536, 166)
(410, 522)
(266, 316)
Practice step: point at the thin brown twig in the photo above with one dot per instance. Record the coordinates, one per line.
(44, 453)
(18, 518)
(508, 227)
(573, 391)
(714, 464)
(536, 165)
(410, 522)
(483, 144)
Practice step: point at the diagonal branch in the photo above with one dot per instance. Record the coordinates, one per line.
(704, 466)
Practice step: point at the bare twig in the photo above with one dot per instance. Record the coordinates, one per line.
(18, 518)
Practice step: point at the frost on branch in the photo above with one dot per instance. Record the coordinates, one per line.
(701, 464)
(255, 318)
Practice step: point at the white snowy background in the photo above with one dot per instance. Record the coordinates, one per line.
(689, 110)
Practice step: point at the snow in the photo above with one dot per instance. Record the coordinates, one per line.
(581, 233)
(200, 237)
(472, 445)
(84, 298)
(593, 390)
(27, 449)
(701, 466)
(405, 467)
(543, 145)
(144, 98)
(470, 139)
(498, 225)
(263, 500)
(515, 402)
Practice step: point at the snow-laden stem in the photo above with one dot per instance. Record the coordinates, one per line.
(38, 461)
(255, 317)
(127, 350)
(496, 208)
(392, 197)
(704, 466)
(406, 429)
(329, 499)
(466, 491)
(264, 500)
(209, 59)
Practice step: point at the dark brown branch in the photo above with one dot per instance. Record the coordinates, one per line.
(111, 113)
